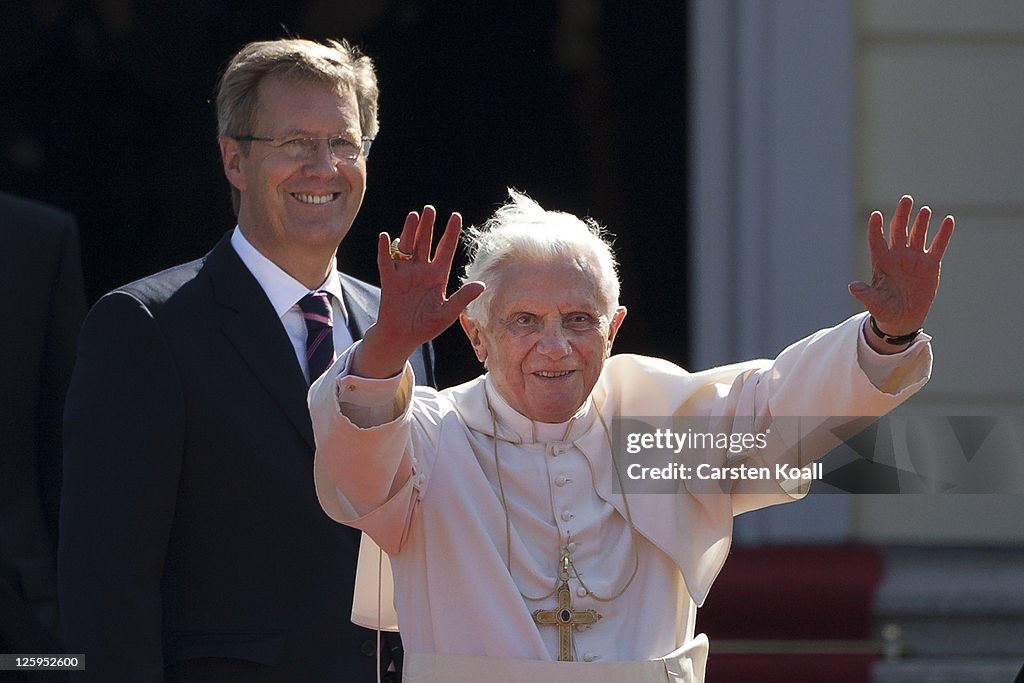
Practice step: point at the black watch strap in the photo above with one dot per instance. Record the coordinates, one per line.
(901, 340)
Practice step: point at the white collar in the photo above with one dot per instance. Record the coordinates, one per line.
(517, 428)
(282, 289)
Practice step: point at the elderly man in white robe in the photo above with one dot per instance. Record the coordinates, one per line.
(517, 554)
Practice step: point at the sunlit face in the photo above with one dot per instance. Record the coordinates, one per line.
(547, 338)
(297, 208)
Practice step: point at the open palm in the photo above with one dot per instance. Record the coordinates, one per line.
(414, 307)
(904, 270)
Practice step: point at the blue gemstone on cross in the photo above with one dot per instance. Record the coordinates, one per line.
(565, 617)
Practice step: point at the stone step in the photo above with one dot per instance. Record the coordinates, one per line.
(943, 635)
(964, 670)
(952, 602)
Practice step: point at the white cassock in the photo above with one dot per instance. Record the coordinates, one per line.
(415, 469)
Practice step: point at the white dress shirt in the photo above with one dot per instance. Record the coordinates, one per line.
(284, 293)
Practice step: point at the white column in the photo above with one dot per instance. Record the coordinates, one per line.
(772, 193)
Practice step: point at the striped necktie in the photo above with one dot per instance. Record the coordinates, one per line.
(316, 310)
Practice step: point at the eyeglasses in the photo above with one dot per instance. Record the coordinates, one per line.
(303, 148)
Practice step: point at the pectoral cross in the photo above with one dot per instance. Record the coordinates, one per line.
(564, 616)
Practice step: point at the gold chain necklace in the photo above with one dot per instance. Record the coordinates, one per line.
(567, 561)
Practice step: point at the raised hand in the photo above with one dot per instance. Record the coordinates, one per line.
(904, 273)
(413, 306)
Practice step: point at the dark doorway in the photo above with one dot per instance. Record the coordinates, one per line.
(579, 103)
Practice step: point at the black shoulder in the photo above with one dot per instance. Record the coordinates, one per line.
(352, 284)
(19, 210)
(28, 225)
(155, 289)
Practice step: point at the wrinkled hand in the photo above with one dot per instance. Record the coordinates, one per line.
(904, 273)
(413, 306)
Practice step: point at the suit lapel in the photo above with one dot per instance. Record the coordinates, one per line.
(361, 307)
(252, 326)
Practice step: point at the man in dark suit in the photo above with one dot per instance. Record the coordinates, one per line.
(42, 307)
(192, 543)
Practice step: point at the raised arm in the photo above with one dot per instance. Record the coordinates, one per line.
(413, 305)
(904, 273)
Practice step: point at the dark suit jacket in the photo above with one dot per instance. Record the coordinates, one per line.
(42, 304)
(191, 535)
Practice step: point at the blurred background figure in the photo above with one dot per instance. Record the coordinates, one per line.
(42, 304)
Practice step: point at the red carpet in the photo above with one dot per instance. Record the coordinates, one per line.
(800, 593)
(732, 668)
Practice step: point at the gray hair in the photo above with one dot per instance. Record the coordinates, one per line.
(335, 64)
(522, 230)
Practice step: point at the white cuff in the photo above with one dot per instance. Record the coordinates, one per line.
(365, 392)
(879, 367)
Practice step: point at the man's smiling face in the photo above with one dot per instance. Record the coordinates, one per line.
(298, 207)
